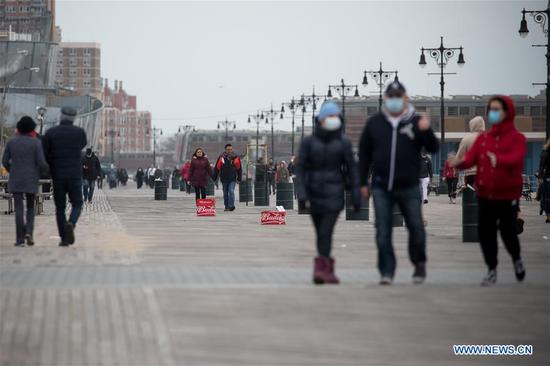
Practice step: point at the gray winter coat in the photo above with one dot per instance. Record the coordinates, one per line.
(24, 160)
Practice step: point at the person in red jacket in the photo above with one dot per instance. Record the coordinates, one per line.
(199, 173)
(498, 155)
(185, 175)
(450, 175)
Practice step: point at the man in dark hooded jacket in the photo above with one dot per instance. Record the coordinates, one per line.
(91, 171)
(63, 146)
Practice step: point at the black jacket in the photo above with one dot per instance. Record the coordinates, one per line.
(63, 146)
(544, 164)
(393, 154)
(325, 167)
(426, 168)
(91, 168)
(229, 169)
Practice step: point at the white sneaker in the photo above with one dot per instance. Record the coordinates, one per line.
(386, 280)
(490, 279)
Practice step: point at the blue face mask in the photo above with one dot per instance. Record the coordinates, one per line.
(493, 117)
(394, 105)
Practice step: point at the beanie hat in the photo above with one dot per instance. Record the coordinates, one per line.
(68, 114)
(328, 109)
(25, 125)
(395, 88)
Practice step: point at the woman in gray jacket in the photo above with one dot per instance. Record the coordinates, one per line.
(24, 160)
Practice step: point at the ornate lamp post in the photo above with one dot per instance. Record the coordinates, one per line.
(442, 55)
(184, 130)
(380, 76)
(270, 117)
(540, 17)
(343, 90)
(312, 100)
(155, 131)
(258, 117)
(112, 133)
(226, 124)
(292, 106)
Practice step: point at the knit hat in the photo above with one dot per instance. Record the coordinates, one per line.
(68, 114)
(25, 125)
(328, 109)
(395, 88)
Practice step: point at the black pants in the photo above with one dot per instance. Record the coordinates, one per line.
(61, 189)
(200, 192)
(451, 187)
(23, 226)
(324, 227)
(470, 179)
(497, 215)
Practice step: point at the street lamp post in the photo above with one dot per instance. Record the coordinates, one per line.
(311, 100)
(258, 117)
(184, 129)
(380, 76)
(226, 124)
(155, 131)
(343, 89)
(442, 55)
(270, 116)
(540, 17)
(40, 116)
(112, 134)
(293, 106)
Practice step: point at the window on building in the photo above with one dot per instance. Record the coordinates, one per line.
(421, 108)
(536, 111)
(464, 111)
(72, 62)
(480, 111)
(372, 110)
(87, 84)
(72, 72)
(87, 52)
(520, 110)
(72, 51)
(87, 62)
(452, 111)
(87, 72)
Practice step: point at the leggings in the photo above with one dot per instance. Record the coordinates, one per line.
(200, 192)
(451, 187)
(324, 227)
(497, 215)
(22, 227)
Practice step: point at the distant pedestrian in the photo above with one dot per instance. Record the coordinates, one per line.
(228, 169)
(544, 179)
(271, 171)
(91, 171)
(139, 178)
(100, 178)
(426, 174)
(325, 170)
(112, 176)
(498, 154)
(24, 160)
(391, 144)
(199, 173)
(450, 175)
(185, 176)
(477, 126)
(282, 175)
(63, 146)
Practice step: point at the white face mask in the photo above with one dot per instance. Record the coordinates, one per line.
(332, 123)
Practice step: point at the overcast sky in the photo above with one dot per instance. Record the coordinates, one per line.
(197, 62)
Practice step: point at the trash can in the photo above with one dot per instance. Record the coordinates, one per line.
(397, 217)
(261, 198)
(175, 183)
(285, 195)
(161, 190)
(210, 190)
(245, 191)
(362, 215)
(470, 216)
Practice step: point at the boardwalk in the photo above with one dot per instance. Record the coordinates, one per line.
(149, 283)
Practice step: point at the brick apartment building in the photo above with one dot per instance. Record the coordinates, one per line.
(78, 67)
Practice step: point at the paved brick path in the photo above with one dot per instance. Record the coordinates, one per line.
(149, 283)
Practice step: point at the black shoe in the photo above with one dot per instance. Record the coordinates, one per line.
(20, 245)
(419, 275)
(519, 269)
(64, 244)
(29, 240)
(425, 201)
(226, 209)
(68, 231)
(232, 208)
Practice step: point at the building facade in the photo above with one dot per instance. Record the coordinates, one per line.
(28, 20)
(78, 67)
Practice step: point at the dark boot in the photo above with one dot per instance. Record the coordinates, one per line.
(319, 270)
(330, 277)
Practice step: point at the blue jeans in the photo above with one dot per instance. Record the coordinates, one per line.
(61, 189)
(88, 189)
(229, 194)
(410, 203)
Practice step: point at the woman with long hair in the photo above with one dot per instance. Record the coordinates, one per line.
(199, 173)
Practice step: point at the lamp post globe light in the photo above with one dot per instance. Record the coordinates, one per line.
(442, 55)
(344, 90)
(540, 17)
(380, 76)
(227, 124)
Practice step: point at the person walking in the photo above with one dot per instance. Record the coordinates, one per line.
(139, 178)
(325, 168)
(63, 146)
(477, 126)
(199, 173)
(228, 168)
(426, 174)
(112, 176)
(390, 144)
(24, 160)
(185, 176)
(544, 179)
(100, 178)
(271, 172)
(282, 175)
(450, 175)
(91, 171)
(498, 154)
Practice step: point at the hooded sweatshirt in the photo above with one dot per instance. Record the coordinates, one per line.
(477, 126)
(503, 181)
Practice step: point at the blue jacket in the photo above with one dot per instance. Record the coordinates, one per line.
(63, 146)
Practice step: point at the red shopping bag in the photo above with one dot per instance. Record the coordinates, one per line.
(277, 217)
(206, 207)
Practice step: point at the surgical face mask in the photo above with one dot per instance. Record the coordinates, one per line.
(394, 105)
(494, 117)
(332, 123)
